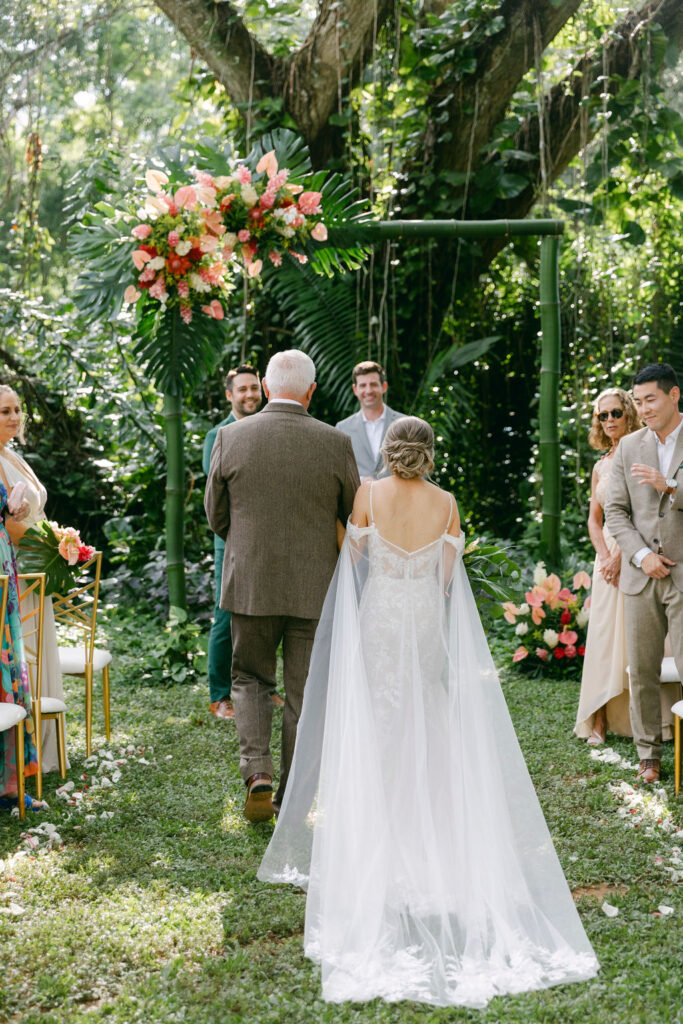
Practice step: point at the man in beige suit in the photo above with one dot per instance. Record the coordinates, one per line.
(278, 483)
(644, 512)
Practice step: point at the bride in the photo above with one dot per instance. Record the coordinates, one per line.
(409, 814)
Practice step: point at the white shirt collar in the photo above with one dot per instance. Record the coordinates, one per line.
(286, 401)
(379, 418)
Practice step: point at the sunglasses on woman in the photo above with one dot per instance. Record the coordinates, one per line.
(616, 414)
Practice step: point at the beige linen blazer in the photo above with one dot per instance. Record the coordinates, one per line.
(639, 516)
(278, 482)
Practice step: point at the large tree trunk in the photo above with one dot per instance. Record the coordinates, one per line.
(313, 82)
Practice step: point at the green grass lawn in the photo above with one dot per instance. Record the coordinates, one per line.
(150, 909)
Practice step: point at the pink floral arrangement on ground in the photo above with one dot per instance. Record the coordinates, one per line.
(192, 238)
(550, 625)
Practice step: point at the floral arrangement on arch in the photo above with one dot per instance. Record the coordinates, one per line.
(58, 551)
(192, 239)
(550, 625)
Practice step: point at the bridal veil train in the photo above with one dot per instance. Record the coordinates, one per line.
(409, 814)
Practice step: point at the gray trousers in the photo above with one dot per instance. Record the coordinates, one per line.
(649, 615)
(255, 640)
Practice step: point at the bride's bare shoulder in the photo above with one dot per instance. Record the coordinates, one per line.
(361, 505)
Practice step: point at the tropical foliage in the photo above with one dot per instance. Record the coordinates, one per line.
(420, 126)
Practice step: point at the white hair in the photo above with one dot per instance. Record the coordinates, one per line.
(290, 373)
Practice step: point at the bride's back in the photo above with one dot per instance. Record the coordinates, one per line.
(409, 513)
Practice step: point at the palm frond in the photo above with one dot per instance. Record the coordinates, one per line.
(323, 316)
(177, 355)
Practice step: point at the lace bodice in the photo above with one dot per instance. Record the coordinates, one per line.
(391, 561)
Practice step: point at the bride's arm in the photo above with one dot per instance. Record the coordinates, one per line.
(450, 552)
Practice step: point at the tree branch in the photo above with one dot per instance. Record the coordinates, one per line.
(219, 36)
(332, 59)
(502, 60)
(618, 59)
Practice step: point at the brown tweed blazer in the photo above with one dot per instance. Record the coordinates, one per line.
(639, 516)
(277, 484)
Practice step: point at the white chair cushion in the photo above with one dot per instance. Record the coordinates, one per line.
(72, 660)
(669, 673)
(11, 715)
(677, 708)
(50, 705)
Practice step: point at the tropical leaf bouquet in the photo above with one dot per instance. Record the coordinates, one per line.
(550, 625)
(58, 551)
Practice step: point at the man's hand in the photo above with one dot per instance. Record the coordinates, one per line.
(648, 475)
(656, 566)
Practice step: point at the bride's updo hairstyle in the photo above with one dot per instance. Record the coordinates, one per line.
(408, 447)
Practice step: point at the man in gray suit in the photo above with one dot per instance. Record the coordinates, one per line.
(278, 483)
(367, 427)
(644, 513)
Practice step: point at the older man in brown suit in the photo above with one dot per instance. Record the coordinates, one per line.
(644, 512)
(278, 483)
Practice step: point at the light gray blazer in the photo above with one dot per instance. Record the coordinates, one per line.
(368, 465)
(638, 516)
(278, 482)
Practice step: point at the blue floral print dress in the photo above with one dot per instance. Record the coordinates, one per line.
(15, 688)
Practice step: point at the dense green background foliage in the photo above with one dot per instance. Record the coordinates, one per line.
(81, 110)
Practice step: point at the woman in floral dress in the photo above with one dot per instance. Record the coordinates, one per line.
(15, 688)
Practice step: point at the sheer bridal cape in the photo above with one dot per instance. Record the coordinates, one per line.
(409, 814)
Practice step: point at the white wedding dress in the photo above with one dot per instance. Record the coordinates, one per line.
(409, 814)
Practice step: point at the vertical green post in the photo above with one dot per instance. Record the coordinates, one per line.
(549, 435)
(175, 490)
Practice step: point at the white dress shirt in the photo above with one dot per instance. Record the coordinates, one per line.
(665, 450)
(374, 430)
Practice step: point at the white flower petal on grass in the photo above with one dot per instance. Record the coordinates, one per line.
(13, 909)
(664, 910)
(608, 910)
(143, 760)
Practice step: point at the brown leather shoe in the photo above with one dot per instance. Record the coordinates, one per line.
(277, 700)
(259, 805)
(649, 771)
(222, 708)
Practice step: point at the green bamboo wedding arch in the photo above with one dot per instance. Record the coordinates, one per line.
(366, 233)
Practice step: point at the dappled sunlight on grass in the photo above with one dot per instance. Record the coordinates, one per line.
(153, 913)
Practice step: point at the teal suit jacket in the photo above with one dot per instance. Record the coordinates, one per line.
(209, 441)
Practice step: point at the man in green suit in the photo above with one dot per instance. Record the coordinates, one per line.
(243, 392)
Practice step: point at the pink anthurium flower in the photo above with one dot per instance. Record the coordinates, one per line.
(267, 163)
(186, 197)
(309, 202)
(319, 232)
(569, 637)
(156, 180)
(214, 310)
(581, 579)
(140, 257)
(520, 654)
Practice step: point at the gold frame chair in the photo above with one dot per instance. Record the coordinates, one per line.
(18, 726)
(77, 610)
(46, 709)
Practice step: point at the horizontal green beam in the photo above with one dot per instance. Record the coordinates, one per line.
(376, 231)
